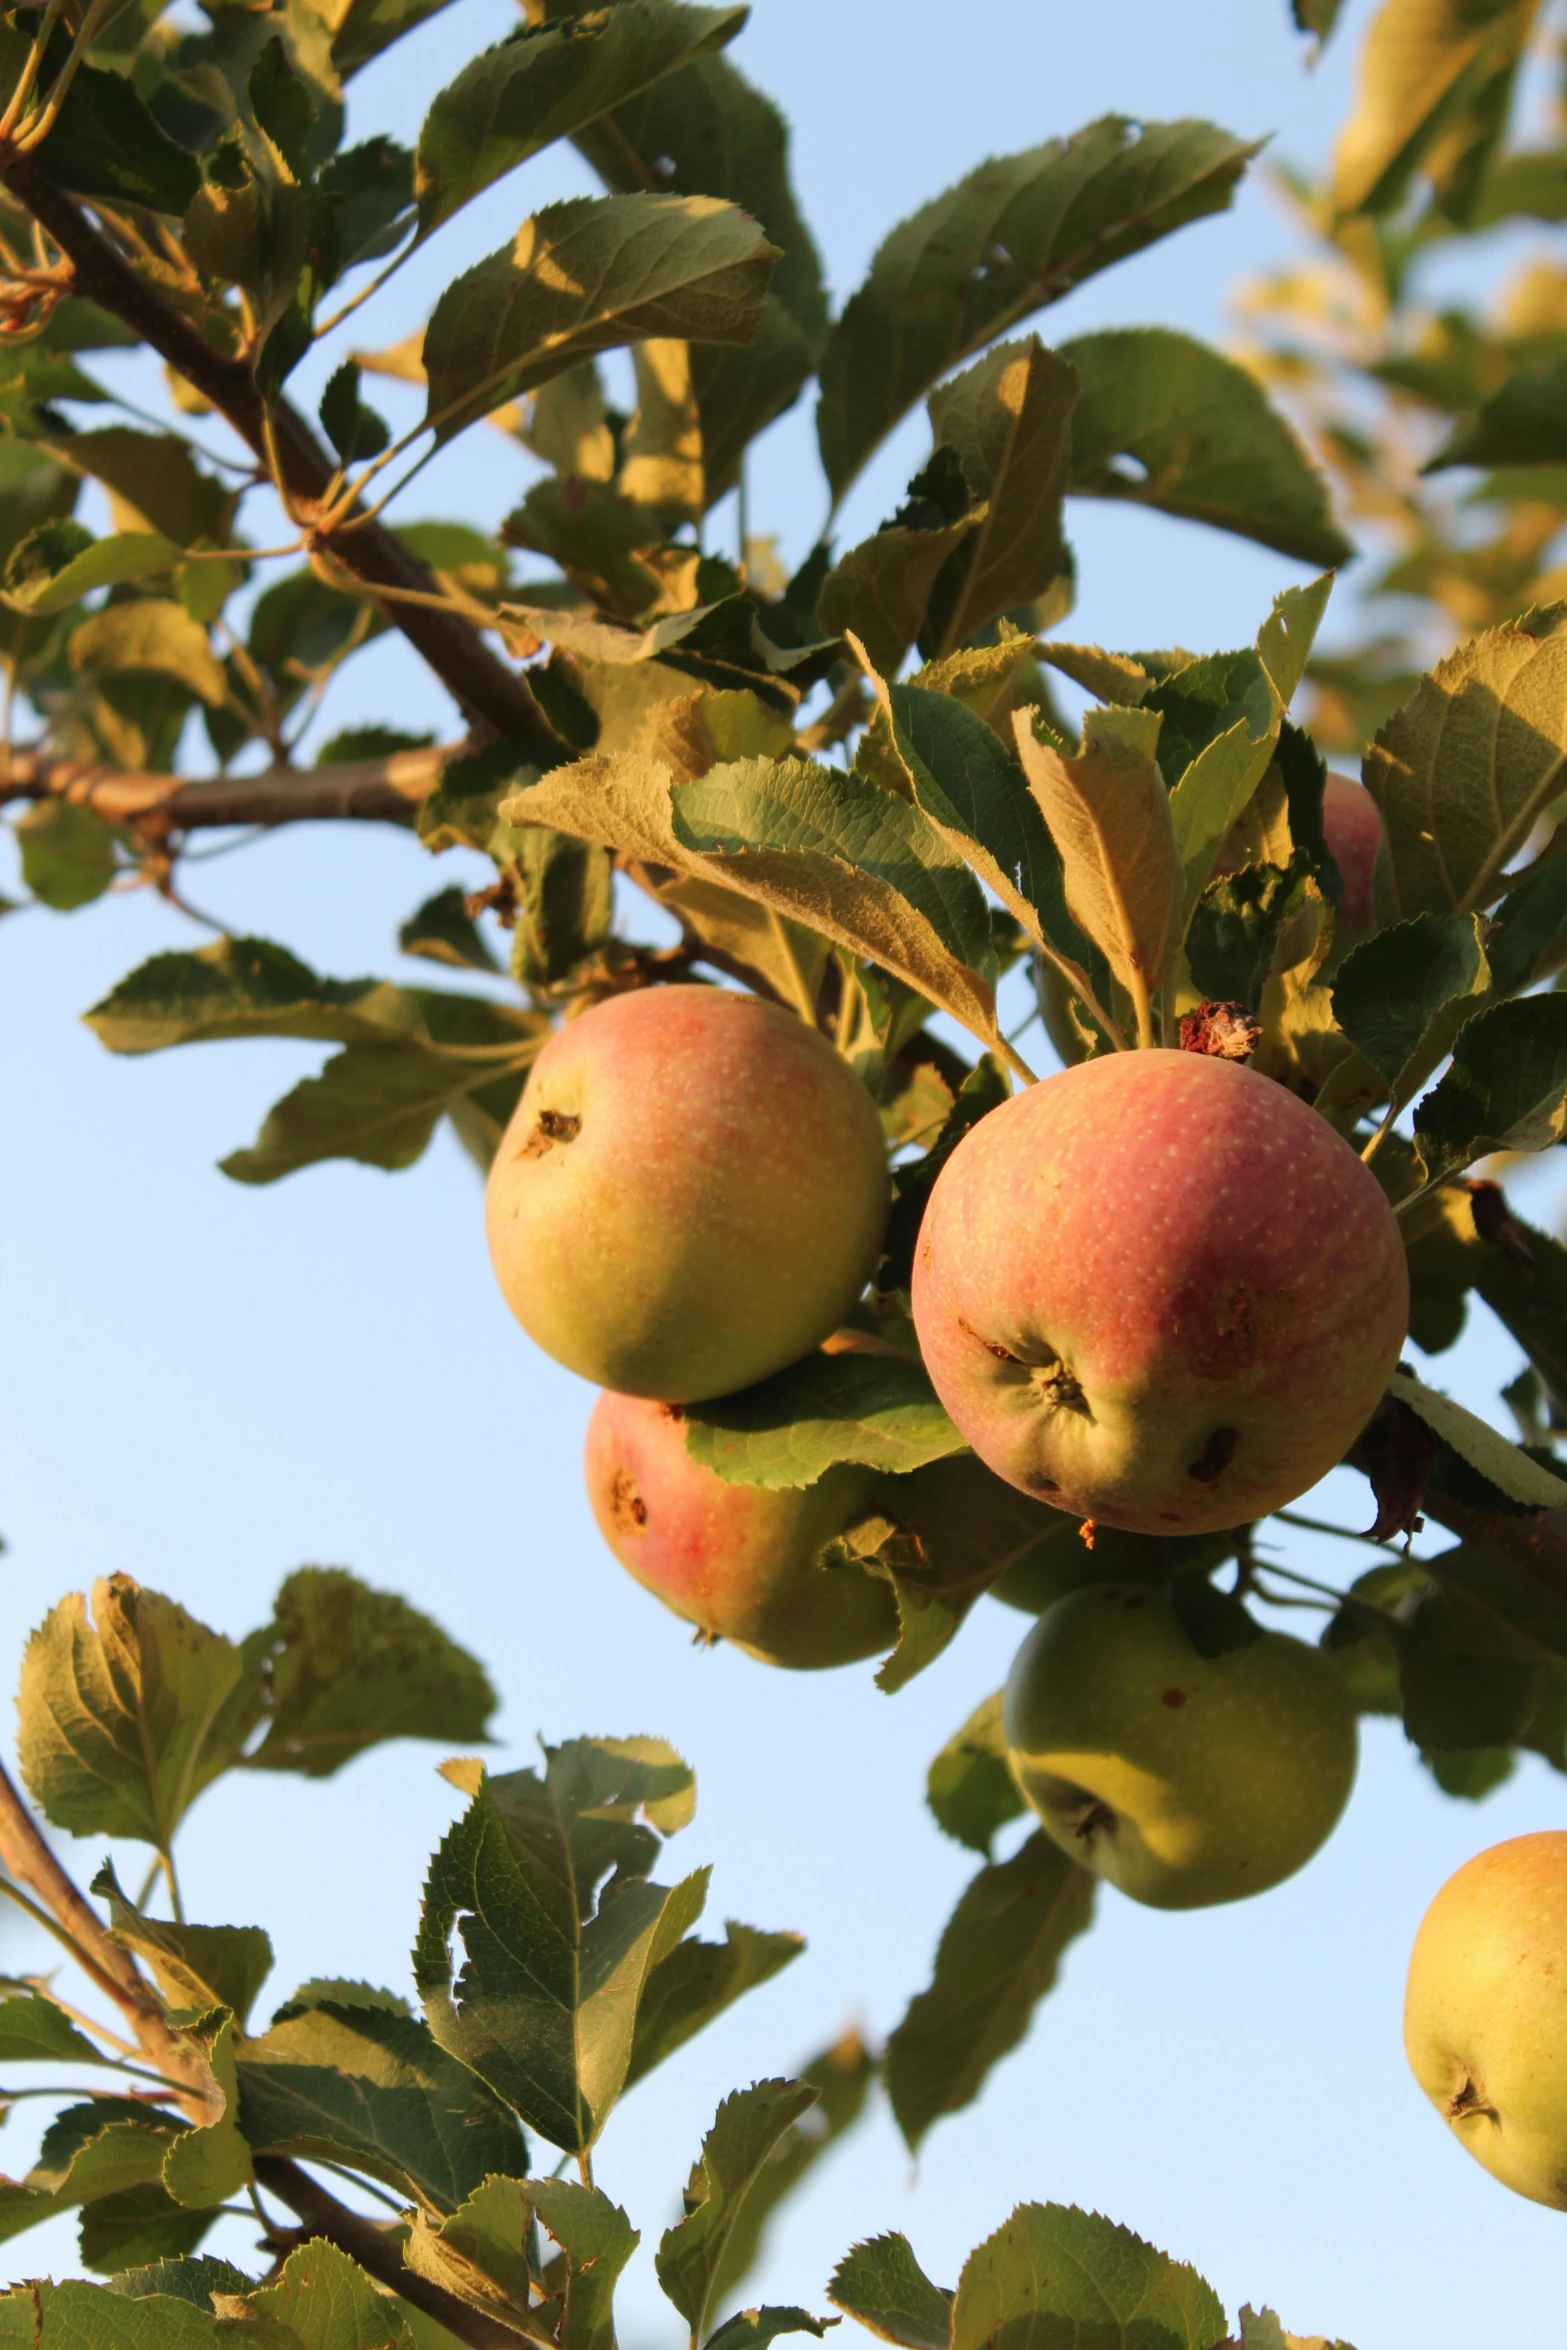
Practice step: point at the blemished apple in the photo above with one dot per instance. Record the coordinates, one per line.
(691, 1194)
(1485, 2012)
(1160, 1292)
(1352, 828)
(1183, 1779)
(738, 1561)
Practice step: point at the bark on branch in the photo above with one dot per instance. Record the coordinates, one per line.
(379, 791)
(491, 696)
(28, 1861)
(377, 2252)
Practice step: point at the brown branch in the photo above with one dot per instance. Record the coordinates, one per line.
(1532, 1547)
(380, 791)
(490, 696)
(27, 1859)
(377, 2251)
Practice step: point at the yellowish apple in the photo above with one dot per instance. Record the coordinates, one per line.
(1485, 2012)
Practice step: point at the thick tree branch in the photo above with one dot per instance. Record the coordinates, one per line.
(490, 696)
(377, 2252)
(380, 791)
(27, 1859)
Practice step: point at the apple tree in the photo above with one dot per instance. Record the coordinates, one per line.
(989, 1109)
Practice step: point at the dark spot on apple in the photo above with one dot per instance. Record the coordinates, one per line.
(550, 1127)
(1038, 1482)
(1469, 2099)
(626, 1506)
(992, 1346)
(1215, 1456)
(1174, 1697)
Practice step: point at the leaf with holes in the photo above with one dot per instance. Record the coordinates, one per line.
(1206, 442)
(547, 82)
(1020, 231)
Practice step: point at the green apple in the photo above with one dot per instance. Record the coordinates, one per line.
(1184, 1779)
(1485, 2012)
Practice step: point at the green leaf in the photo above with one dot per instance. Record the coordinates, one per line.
(746, 2128)
(364, 28)
(1110, 817)
(153, 478)
(1222, 719)
(1462, 773)
(547, 82)
(378, 1104)
(695, 1983)
(124, 1719)
(842, 2076)
(1236, 926)
(940, 1535)
(859, 864)
(1017, 233)
(205, 2166)
(565, 906)
(544, 2004)
(881, 589)
(194, 2281)
(1058, 2278)
(1505, 1088)
(1531, 917)
(882, 2284)
(355, 431)
(443, 931)
(1521, 423)
(33, 2030)
(193, 1966)
(371, 2089)
(596, 2240)
(1420, 60)
(104, 142)
(963, 777)
(480, 2253)
(1204, 439)
(590, 275)
(969, 1788)
(999, 1954)
(1008, 418)
(67, 854)
(1402, 997)
(75, 2316)
(347, 1667)
(324, 2301)
(753, 2329)
(707, 132)
(878, 1410)
(60, 562)
(1514, 1475)
(138, 2225)
(984, 1089)
(150, 635)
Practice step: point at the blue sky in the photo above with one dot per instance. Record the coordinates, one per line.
(205, 1385)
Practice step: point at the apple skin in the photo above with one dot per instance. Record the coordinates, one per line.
(735, 1560)
(1160, 1292)
(1485, 2012)
(691, 1194)
(1185, 1780)
(1352, 828)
